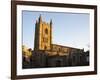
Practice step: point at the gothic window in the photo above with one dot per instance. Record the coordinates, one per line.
(46, 31)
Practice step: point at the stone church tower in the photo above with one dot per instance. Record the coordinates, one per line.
(43, 35)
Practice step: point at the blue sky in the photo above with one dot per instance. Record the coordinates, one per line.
(69, 29)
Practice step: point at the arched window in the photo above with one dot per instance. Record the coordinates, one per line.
(46, 31)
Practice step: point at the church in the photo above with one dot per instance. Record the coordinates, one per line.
(46, 54)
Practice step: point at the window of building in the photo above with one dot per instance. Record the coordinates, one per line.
(46, 31)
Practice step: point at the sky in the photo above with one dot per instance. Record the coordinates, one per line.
(68, 29)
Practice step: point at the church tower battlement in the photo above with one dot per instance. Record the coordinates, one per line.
(43, 35)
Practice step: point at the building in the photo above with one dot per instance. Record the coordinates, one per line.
(46, 54)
